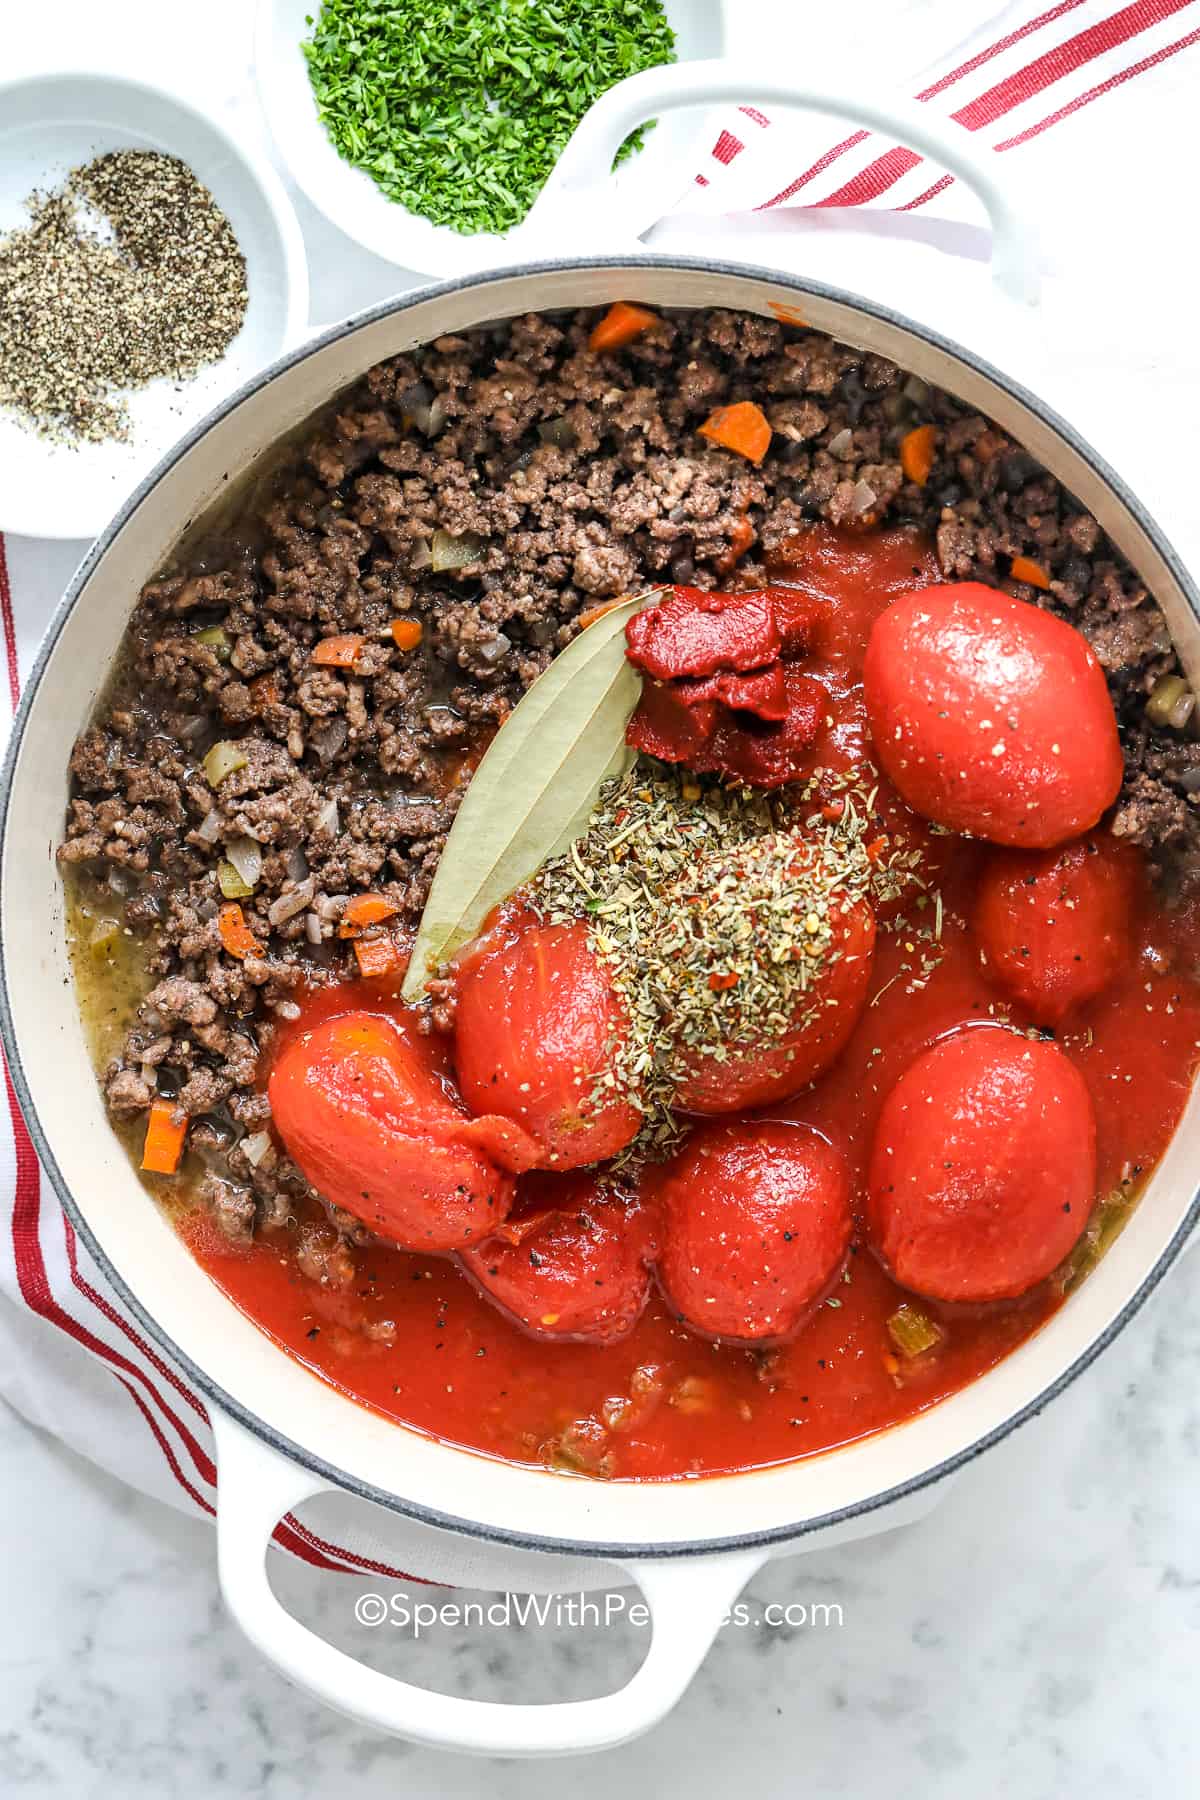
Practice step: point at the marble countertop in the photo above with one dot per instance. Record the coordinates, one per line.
(1035, 1636)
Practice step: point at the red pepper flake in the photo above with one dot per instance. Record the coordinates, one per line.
(719, 983)
(876, 848)
(833, 810)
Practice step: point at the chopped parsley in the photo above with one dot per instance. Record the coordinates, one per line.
(459, 109)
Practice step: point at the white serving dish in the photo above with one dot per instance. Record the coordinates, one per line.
(645, 187)
(50, 124)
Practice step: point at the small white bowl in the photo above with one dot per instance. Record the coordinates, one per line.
(51, 124)
(644, 187)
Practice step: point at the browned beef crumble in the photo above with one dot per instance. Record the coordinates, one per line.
(583, 477)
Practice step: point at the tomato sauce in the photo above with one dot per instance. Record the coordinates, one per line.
(412, 1339)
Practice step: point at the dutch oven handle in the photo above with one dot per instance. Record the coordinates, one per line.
(688, 1600)
(577, 205)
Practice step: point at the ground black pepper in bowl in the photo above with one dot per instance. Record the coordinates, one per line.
(88, 313)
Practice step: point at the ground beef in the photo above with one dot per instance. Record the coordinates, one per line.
(577, 477)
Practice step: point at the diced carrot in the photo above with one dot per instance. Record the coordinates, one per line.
(406, 633)
(620, 325)
(376, 955)
(916, 453)
(789, 315)
(236, 936)
(597, 612)
(364, 910)
(165, 1132)
(1025, 569)
(264, 692)
(740, 540)
(338, 652)
(742, 428)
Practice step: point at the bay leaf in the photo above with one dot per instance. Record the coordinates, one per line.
(531, 795)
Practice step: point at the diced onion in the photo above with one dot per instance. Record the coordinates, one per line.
(327, 740)
(222, 761)
(314, 931)
(1182, 711)
(559, 432)
(285, 1009)
(421, 556)
(296, 863)
(231, 883)
(103, 933)
(209, 828)
(437, 415)
(416, 403)
(149, 1075)
(454, 552)
(916, 390)
(499, 646)
(288, 905)
(328, 819)
(246, 857)
(256, 1148)
(843, 443)
(864, 497)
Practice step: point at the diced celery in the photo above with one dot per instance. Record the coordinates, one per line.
(216, 638)
(231, 883)
(913, 1332)
(222, 760)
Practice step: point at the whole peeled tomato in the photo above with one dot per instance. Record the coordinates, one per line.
(572, 1263)
(983, 1167)
(991, 716)
(764, 1070)
(756, 1226)
(1056, 926)
(366, 1119)
(537, 1027)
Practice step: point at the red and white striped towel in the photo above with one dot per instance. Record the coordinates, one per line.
(1028, 71)
(1023, 80)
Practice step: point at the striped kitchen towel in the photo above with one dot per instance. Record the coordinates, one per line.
(1023, 75)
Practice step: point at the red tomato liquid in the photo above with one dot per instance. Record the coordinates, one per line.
(670, 1403)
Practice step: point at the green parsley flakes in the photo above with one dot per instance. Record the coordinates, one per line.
(459, 109)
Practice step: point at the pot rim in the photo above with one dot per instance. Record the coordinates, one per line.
(209, 1388)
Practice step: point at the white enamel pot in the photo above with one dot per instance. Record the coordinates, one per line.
(282, 1434)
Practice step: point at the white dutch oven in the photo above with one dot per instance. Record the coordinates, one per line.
(283, 1436)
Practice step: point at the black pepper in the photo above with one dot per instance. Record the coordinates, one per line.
(128, 272)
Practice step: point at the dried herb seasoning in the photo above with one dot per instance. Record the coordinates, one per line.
(713, 909)
(459, 109)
